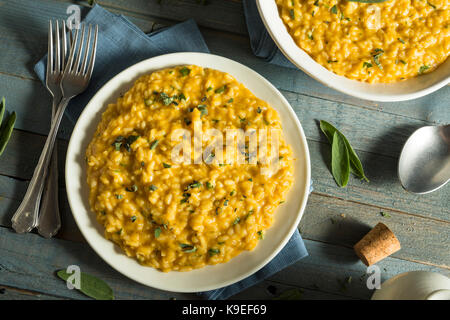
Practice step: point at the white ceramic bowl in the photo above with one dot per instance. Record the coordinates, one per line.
(404, 90)
(211, 277)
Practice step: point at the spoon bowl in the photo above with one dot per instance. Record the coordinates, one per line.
(424, 164)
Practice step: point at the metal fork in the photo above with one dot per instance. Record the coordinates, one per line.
(49, 217)
(75, 79)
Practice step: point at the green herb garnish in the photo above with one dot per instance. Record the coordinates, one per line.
(334, 9)
(213, 252)
(386, 215)
(237, 220)
(340, 161)
(221, 89)
(133, 188)
(157, 232)
(401, 40)
(367, 65)
(203, 110)
(195, 184)
(165, 165)
(292, 14)
(133, 218)
(91, 286)
(165, 99)
(260, 234)
(355, 164)
(7, 129)
(153, 187)
(185, 71)
(377, 53)
(423, 68)
(154, 144)
(209, 185)
(188, 248)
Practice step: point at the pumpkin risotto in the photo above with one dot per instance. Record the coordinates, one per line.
(371, 42)
(182, 216)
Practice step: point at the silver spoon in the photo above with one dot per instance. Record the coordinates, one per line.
(424, 164)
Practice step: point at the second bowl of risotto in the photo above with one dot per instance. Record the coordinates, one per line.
(187, 172)
(389, 50)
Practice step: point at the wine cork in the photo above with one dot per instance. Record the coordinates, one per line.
(378, 244)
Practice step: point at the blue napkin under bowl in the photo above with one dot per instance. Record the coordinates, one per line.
(121, 44)
(260, 41)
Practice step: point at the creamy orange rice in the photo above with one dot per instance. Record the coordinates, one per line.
(379, 42)
(177, 216)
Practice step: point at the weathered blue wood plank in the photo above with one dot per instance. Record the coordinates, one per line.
(22, 153)
(329, 267)
(227, 15)
(9, 293)
(383, 190)
(334, 221)
(28, 261)
(33, 105)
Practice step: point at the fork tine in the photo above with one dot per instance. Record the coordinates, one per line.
(72, 52)
(86, 54)
(50, 48)
(94, 49)
(80, 50)
(70, 37)
(64, 46)
(58, 48)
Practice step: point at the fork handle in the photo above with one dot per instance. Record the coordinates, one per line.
(49, 221)
(49, 217)
(26, 216)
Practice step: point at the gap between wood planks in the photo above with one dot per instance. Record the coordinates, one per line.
(31, 293)
(380, 207)
(392, 257)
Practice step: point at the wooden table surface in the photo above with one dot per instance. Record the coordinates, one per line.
(334, 220)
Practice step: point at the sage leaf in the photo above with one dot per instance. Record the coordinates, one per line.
(2, 109)
(91, 286)
(340, 162)
(355, 164)
(6, 132)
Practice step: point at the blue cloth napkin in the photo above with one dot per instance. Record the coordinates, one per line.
(122, 44)
(260, 40)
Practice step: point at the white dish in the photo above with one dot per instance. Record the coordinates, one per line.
(415, 285)
(211, 277)
(404, 90)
